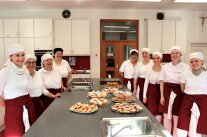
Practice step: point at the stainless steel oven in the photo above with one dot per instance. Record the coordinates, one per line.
(38, 54)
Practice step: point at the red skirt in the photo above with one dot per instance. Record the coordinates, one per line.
(38, 105)
(153, 99)
(125, 82)
(185, 112)
(47, 100)
(65, 80)
(14, 125)
(168, 88)
(140, 83)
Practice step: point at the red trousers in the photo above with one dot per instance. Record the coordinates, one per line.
(38, 105)
(168, 88)
(14, 126)
(65, 80)
(185, 112)
(125, 82)
(140, 83)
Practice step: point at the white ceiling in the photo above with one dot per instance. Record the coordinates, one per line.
(99, 4)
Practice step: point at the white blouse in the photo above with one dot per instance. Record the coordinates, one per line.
(172, 73)
(51, 79)
(63, 68)
(128, 69)
(141, 69)
(36, 86)
(13, 85)
(194, 84)
(152, 77)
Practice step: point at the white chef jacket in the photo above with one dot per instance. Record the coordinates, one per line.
(128, 69)
(141, 69)
(63, 68)
(13, 85)
(51, 79)
(36, 86)
(152, 77)
(194, 84)
(172, 73)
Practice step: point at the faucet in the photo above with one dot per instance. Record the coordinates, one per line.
(127, 126)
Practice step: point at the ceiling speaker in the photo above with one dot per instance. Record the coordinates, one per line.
(66, 14)
(160, 15)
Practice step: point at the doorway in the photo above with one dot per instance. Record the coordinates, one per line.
(118, 37)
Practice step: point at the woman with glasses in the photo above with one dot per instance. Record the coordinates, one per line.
(193, 112)
(127, 68)
(51, 77)
(140, 73)
(19, 109)
(62, 66)
(36, 87)
(151, 95)
(171, 93)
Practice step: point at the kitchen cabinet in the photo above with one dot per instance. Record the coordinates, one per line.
(11, 28)
(63, 35)
(80, 37)
(1, 28)
(26, 28)
(163, 34)
(43, 43)
(2, 53)
(28, 44)
(42, 27)
(8, 42)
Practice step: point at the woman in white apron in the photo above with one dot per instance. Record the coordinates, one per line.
(127, 68)
(140, 73)
(19, 109)
(36, 86)
(193, 112)
(151, 95)
(171, 94)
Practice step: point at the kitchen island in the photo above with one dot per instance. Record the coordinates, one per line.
(59, 121)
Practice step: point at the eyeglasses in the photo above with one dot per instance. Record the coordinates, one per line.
(29, 63)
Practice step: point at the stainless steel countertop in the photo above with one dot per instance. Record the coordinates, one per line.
(58, 121)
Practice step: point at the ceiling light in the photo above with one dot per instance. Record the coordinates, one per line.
(122, 27)
(139, 0)
(191, 1)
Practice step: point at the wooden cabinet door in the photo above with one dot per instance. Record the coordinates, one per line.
(11, 28)
(80, 37)
(181, 35)
(43, 27)
(2, 61)
(26, 28)
(28, 44)
(63, 35)
(43, 43)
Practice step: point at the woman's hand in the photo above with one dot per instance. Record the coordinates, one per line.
(162, 101)
(57, 95)
(63, 88)
(145, 100)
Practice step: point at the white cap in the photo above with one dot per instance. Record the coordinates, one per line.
(135, 50)
(146, 50)
(45, 57)
(157, 53)
(176, 48)
(30, 56)
(15, 48)
(196, 55)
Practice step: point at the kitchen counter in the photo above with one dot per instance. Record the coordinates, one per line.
(58, 121)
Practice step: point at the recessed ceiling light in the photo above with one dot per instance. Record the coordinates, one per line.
(139, 0)
(191, 1)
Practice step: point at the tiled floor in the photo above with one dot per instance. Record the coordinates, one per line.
(2, 134)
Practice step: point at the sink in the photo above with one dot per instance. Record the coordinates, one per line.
(130, 127)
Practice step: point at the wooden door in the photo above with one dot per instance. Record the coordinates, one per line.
(113, 55)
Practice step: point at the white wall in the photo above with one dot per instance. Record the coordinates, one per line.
(94, 15)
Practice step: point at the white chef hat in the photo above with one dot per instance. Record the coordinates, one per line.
(45, 57)
(197, 55)
(133, 50)
(146, 50)
(30, 56)
(157, 53)
(176, 47)
(14, 48)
